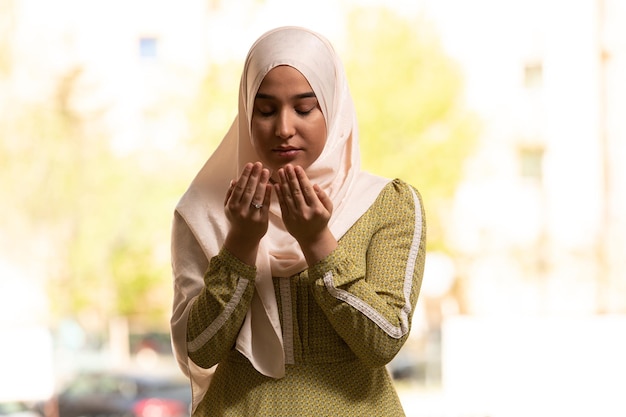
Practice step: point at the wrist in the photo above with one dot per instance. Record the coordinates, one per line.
(242, 246)
(318, 247)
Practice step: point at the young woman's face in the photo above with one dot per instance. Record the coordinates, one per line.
(288, 126)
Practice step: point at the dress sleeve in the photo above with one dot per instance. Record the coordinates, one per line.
(219, 310)
(369, 290)
(211, 300)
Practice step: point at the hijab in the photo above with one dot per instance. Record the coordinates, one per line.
(337, 171)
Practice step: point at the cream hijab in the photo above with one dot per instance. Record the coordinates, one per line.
(337, 171)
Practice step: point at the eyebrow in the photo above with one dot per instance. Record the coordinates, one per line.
(309, 94)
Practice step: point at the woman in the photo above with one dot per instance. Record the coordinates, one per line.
(296, 273)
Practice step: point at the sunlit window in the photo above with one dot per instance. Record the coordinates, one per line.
(148, 47)
(533, 75)
(531, 163)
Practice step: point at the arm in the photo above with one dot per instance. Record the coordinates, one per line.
(210, 299)
(219, 310)
(212, 296)
(368, 290)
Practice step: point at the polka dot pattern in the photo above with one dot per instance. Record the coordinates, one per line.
(339, 354)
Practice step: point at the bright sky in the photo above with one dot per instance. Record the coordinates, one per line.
(486, 37)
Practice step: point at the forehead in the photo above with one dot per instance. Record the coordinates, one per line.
(285, 78)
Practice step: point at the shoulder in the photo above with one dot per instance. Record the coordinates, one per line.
(399, 193)
(398, 203)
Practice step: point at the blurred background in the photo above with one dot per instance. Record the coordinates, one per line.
(507, 115)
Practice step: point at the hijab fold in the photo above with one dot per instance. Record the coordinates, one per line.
(201, 211)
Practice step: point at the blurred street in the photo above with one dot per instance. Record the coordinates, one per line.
(507, 116)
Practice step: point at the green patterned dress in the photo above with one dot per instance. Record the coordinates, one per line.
(343, 320)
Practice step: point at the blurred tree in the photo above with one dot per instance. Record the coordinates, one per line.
(212, 110)
(102, 218)
(45, 158)
(97, 216)
(7, 27)
(98, 219)
(408, 95)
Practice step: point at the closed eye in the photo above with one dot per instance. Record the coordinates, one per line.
(303, 112)
(267, 113)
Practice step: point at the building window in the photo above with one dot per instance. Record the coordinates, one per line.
(148, 47)
(531, 163)
(533, 75)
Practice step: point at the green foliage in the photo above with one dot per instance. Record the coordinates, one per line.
(214, 106)
(7, 29)
(104, 217)
(408, 96)
(101, 218)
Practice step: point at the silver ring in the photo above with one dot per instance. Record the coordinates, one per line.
(256, 205)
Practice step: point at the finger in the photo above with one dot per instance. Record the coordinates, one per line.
(267, 198)
(281, 199)
(308, 193)
(287, 194)
(261, 188)
(240, 186)
(229, 192)
(250, 186)
(324, 199)
(283, 193)
(294, 187)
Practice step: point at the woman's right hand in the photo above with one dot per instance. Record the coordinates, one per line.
(246, 206)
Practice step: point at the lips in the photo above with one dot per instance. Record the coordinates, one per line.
(286, 152)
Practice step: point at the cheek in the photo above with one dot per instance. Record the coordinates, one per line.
(259, 134)
(319, 133)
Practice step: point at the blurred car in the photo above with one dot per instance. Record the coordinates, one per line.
(124, 395)
(17, 409)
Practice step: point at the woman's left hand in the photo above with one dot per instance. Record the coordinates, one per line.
(306, 210)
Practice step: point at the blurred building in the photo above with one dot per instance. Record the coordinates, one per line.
(131, 63)
(539, 222)
(540, 219)
(138, 64)
(128, 71)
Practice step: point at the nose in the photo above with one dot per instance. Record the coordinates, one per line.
(285, 127)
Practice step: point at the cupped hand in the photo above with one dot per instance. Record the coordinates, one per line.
(306, 208)
(246, 204)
